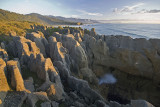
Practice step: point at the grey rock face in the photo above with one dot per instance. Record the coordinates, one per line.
(15, 74)
(32, 98)
(76, 52)
(2, 97)
(14, 99)
(40, 41)
(22, 48)
(29, 84)
(140, 103)
(3, 54)
(57, 51)
(84, 89)
(54, 104)
(3, 76)
(46, 104)
(55, 92)
(100, 103)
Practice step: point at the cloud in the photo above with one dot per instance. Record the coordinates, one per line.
(89, 13)
(153, 11)
(128, 9)
(148, 11)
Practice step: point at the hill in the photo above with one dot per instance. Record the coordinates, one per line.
(34, 17)
(85, 21)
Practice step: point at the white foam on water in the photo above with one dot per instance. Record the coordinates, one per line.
(107, 79)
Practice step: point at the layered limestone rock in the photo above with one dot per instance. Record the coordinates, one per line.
(3, 54)
(15, 74)
(77, 61)
(83, 88)
(22, 48)
(3, 79)
(73, 57)
(29, 84)
(46, 71)
(124, 57)
(44, 68)
(57, 51)
(55, 92)
(76, 52)
(31, 57)
(40, 41)
(15, 99)
(34, 97)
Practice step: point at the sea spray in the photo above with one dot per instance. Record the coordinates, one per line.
(107, 79)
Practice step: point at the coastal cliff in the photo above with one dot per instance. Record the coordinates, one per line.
(68, 68)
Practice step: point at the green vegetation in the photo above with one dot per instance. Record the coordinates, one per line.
(13, 24)
(15, 28)
(45, 20)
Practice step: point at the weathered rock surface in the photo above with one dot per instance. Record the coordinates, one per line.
(83, 88)
(54, 104)
(124, 57)
(76, 52)
(36, 96)
(57, 51)
(46, 104)
(40, 41)
(65, 59)
(29, 84)
(22, 48)
(3, 54)
(14, 99)
(140, 103)
(15, 74)
(2, 97)
(3, 77)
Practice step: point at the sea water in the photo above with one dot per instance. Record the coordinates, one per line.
(133, 30)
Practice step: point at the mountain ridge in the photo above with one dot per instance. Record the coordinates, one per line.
(12, 16)
(48, 20)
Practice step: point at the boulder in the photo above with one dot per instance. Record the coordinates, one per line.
(29, 84)
(15, 74)
(83, 88)
(46, 104)
(76, 52)
(63, 70)
(93, 32)
(88, 75)
(78, 104)
(78, 37)
(3, 45)
(3, 79)
(2, 98)
(57, 51)
(100, 103)
(22, 48)
(44, 68)
(15, 99)
(3, 54)
(55, 92)
(32, 98)
(40, 41)
(140, 103)
(54, 104)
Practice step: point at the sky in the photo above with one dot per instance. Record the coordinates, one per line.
(135, 10)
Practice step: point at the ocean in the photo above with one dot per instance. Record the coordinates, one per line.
(133, 30)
